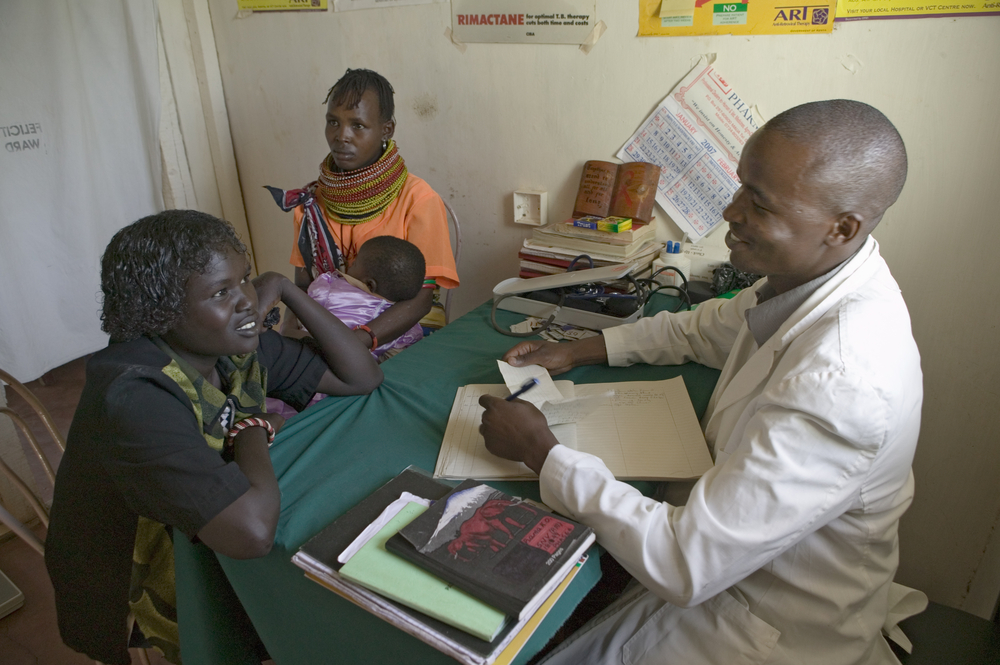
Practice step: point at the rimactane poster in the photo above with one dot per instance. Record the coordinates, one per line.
(524, 21)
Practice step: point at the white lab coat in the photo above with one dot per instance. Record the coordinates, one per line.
(786, 549)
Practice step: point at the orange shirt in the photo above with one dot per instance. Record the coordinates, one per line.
(417, 215)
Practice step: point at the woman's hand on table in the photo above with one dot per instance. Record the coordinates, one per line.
(558, 358)
(245, 528)
(516, 430)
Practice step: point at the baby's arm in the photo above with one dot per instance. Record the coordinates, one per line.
(399, 318)
(352, 369)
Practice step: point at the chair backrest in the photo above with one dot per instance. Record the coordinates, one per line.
(455, 231)
(6, 517)
(14, 524)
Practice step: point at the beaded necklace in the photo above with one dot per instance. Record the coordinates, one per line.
(358, 196)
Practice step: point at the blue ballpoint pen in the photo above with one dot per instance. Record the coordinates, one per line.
(528, 385)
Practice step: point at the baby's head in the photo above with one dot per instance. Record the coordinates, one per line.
(146, 267)
(391, 267)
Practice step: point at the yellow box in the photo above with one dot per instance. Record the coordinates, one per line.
(608, 224)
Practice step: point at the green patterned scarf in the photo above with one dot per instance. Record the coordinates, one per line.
(153, 598)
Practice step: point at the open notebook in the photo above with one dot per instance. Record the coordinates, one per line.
(642, 430)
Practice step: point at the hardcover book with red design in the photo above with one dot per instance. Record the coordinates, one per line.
(618, 190)
(507, 552)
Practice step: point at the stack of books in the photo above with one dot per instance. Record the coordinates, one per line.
(472, 575)
(607, 191)
(551, 249)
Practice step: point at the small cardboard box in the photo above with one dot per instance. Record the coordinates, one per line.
(606, 224)
(704, 260)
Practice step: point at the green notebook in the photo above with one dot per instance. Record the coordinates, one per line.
(396, 578)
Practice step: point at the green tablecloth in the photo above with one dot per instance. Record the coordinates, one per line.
(331, 457)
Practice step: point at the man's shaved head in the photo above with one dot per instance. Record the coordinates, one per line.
(858, 154)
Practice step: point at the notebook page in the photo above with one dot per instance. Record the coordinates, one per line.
(463, 451)
(574, 409)
(646, 430)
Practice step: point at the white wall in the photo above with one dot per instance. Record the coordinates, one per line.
(196, 149)
(480, 124)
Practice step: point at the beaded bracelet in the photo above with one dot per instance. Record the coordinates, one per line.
(369, 331)
(247, 423)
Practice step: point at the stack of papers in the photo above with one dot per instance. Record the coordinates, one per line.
(353, 546)
(642, 430)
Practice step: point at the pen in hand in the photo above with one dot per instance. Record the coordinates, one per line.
(528, 385)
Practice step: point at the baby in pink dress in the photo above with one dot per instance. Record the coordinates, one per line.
(386, 270)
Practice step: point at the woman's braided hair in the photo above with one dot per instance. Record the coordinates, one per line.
(352, 85)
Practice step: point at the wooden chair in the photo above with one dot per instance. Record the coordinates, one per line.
(14, 524)
(43, 414)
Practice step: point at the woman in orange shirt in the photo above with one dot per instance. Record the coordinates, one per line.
(363, 191)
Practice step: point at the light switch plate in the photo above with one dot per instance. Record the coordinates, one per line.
(531, 207)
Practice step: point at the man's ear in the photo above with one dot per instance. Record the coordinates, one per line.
(371, 284)
(845, 229)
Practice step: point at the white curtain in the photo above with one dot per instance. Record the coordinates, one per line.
(79, 159)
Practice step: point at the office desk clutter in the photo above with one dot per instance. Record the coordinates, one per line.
(611, 222)
(562, 332)
(334, 456)
(560, 247)
(610, 227)
(439, 573)
(507, 552)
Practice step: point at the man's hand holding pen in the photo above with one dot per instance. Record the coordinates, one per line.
(516, 430)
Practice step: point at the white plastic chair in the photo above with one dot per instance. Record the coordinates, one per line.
(456, 248)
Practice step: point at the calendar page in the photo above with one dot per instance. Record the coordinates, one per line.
(695, 136)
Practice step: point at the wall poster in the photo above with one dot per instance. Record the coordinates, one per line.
(854, 10)
(523, 21)
(350, 5)
(280, 5)
(746, 17)
(696, 136)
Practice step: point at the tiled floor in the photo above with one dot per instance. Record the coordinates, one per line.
(29, 635)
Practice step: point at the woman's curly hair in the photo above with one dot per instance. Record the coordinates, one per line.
(146, 266)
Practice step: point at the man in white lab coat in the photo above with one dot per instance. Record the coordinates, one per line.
(786, 549)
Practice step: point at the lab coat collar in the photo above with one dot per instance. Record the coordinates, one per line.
(758, 365)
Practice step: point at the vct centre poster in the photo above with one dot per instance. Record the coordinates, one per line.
(853, 10)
